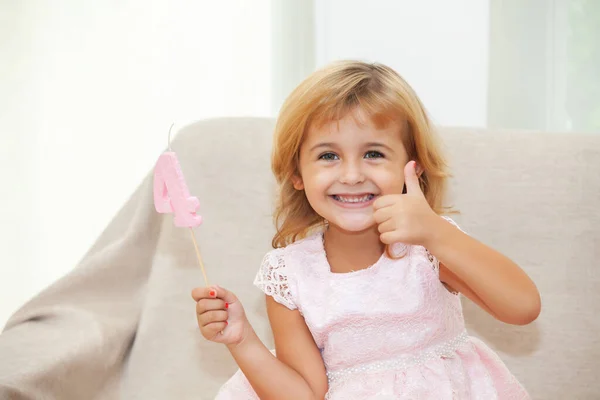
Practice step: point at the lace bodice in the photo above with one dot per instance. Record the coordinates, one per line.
(393, 310)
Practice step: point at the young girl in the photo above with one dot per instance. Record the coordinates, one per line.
(363, 284)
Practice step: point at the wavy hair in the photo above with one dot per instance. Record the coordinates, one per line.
(328, 95)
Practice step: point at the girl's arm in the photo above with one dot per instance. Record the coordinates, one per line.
(482, 274)
(297, 372)
(485, 276)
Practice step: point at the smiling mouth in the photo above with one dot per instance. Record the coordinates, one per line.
(353, 199)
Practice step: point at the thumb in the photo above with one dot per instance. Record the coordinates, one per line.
(225, 295)
(411, 180)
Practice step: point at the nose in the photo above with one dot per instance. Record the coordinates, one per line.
(351, 174)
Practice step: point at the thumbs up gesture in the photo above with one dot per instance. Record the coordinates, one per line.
(405, 218)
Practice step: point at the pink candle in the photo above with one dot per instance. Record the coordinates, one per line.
(171, 193)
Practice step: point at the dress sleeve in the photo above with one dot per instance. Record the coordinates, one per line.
(452, 222)
(433, 259)
(274, 279)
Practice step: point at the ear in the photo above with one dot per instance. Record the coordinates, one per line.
(419, 170)
(297, 182)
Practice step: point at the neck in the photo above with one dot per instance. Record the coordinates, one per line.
(347, 251)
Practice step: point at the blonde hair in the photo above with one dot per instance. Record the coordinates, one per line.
(328, 95)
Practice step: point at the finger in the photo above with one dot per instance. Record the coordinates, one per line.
(382, 215)
(204, 305)
(226, 295)
(388, 237)
(206, 292)
(411, 180)
(213, 330)
(385, 201)
(210, 317)
(387, 226)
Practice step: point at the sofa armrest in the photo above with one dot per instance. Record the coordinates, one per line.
(71, 340)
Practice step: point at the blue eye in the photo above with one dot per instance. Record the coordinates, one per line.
(373, 154)
(328, 156)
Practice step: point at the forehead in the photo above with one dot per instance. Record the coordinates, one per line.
(359, 124)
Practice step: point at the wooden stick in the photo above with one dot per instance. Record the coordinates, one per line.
(198, 255)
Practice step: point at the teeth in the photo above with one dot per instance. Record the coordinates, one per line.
(347, 199)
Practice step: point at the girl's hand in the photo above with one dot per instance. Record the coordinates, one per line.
(405, 218)
(221, 317)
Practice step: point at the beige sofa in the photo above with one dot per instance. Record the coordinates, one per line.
(122, 326)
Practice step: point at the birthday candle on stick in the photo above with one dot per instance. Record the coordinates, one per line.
(171, 195)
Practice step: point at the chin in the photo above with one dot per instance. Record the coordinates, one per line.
(353, 226)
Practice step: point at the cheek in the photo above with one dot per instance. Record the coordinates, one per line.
(390, 180)
(318, 180)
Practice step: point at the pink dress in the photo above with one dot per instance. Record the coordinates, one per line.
(391, 331)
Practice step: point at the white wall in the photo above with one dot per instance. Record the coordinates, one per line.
(88, 91)
(16, 169)
(440, 47)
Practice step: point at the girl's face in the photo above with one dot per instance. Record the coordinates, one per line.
(345, 166)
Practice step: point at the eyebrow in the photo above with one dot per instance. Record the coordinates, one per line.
(378, 144)
(322, 145)
(330, 145)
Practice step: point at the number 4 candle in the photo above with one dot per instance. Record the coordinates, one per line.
(171, 195)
